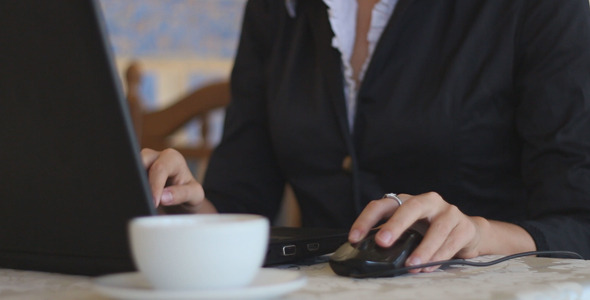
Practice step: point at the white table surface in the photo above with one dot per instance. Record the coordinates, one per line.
(522, 278)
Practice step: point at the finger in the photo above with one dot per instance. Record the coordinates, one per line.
(190, 194)
(447, 249)
(374, 212)
(460, 236)
(163, 168)
(148, 156)
(415, 208)
(437, 234)
(157, 178)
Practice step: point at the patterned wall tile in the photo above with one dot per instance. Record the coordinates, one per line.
(203, 28)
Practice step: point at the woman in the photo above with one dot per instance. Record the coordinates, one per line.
(477, 110)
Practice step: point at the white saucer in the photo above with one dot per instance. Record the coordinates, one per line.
(268, 284)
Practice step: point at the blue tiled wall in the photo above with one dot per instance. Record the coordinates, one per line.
(203, 28)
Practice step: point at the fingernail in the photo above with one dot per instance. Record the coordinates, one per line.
(354, 236)
(385, 237)
(414, 261)
(166, 197)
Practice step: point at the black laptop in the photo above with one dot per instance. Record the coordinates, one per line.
(290, 245)
(71, 176)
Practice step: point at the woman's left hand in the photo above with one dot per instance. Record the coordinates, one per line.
(450, 233)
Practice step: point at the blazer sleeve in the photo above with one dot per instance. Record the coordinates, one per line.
(242, 175)
(553, 118)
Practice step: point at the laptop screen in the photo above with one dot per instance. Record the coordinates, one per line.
(71, 173)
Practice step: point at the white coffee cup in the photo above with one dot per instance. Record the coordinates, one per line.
(190, 252)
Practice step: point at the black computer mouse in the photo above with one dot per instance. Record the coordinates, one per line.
(367, 259)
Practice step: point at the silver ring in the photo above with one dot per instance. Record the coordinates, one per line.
(394, 197)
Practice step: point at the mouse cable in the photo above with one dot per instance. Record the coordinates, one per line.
(463, 262)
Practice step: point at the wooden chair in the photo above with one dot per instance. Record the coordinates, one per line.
(155, 129)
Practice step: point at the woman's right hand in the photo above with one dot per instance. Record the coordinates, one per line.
(172, 183)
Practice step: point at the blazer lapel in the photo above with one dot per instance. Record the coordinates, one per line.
(385, 45)
(329, 58)
(331, 67)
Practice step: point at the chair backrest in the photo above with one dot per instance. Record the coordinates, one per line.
(154, 129)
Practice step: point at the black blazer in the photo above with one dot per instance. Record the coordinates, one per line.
(486, 102)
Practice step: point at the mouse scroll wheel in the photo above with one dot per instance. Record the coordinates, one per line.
(366, 244)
